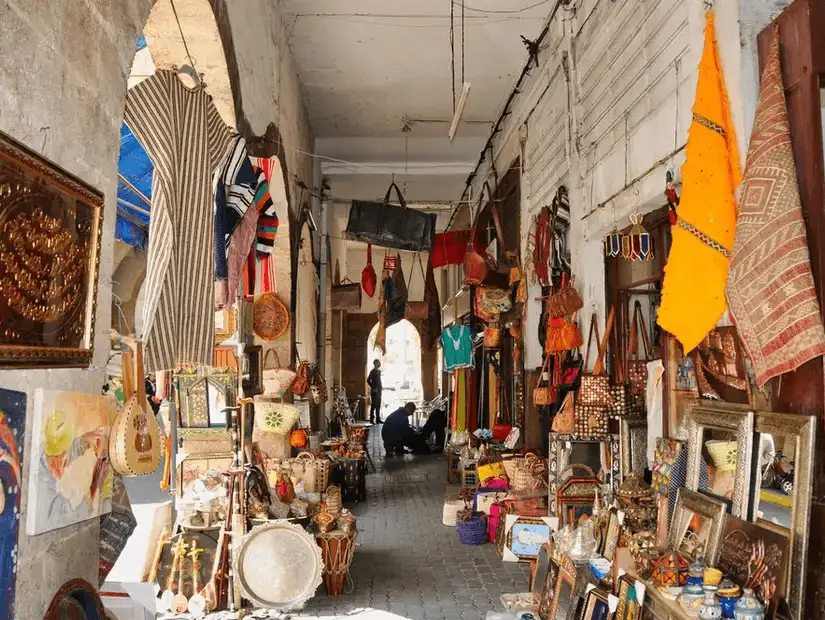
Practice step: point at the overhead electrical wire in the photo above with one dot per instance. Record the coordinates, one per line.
(507, 11)
(532, 56)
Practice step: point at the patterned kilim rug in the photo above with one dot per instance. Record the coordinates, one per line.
(770, 288)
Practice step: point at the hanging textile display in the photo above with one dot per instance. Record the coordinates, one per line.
(268, 221)
(431, 326)
(394, 303)
(176, 124)
(459, 412)
(457, 343)
(693, 293)
(770, 288)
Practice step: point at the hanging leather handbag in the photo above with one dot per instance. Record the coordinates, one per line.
(595, 386)
(391, 226)
(300, 385)
(478, 263)
(276, 381)
(619, 390)
(135, 438)
(544, 393)
(417, 309)
(369, 279)
(565, 419)
(565, 301)
(448, 248)
(298, 438)
(636, 373)
(346, 295)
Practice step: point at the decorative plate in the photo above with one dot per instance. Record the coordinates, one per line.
(279, 566)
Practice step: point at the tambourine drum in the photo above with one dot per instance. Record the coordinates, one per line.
(76, 600)
(278, 566)
(337, 550)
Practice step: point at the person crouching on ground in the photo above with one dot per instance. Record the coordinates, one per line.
(397, 431)
(436, 423)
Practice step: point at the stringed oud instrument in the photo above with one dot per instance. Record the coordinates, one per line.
(135, 440)
(180, 603)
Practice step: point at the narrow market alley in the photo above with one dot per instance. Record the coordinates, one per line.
(407, 562)
(412, 309)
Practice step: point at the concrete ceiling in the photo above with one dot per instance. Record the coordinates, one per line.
(367, 65)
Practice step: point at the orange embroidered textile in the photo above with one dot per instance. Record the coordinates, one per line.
(693, 293)
(770, 286)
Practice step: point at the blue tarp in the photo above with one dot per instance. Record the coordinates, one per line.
(132, 226)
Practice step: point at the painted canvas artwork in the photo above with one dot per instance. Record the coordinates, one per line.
(12, 423)
(71, 478)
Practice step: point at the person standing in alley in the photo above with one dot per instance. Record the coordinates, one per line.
(374, 383)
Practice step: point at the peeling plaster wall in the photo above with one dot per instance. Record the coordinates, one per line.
(64, 69)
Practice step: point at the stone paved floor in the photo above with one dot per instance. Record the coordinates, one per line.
(408, 563)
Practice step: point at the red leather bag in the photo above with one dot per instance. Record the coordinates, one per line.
(478, 264)
(449, 248)
(369, 279)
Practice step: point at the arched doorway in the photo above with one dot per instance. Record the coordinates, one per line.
(400, 365)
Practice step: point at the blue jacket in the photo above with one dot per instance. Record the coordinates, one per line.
(396, 427)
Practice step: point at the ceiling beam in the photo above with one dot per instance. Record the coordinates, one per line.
(446, 168)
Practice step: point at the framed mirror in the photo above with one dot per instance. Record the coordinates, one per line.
(720, 442)
(697, 525)
(781, 487)
(202, 395)
(633, 440)
(600, 454)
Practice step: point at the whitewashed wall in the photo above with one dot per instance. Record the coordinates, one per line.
(607, 114)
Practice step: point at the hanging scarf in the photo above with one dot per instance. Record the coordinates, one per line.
(693, 293)
(770, 287)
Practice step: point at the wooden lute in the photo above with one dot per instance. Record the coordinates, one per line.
(180, 602)
(135, 440)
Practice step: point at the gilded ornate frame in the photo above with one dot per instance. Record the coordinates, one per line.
(803, 429)
(622, 590)
(630, 453)
(15, 155)
(705, 506)
(737, 419)
(590, 599)
(231, 325)
(554, 470)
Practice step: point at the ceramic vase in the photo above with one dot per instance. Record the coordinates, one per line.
(727, 595)
(710, 609)
(691, 599)
(749, 607)
(696, 572)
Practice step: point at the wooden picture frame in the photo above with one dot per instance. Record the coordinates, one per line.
(538, 572)
(730, 418)
(525, 536)
(596, 605)
(633, 441)
(612, 535)
(558, 601)
(629, 607)
(549, 588)
(226, 324)
(49, 262)
(684, 538)
(197, 466)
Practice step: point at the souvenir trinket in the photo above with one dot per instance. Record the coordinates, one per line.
(641, 246)
(582, 545)
(346, 521)
(710, 609)
(749, 607)
(727, 595)
(613, 243)
(696, 572)
(691, 599)
(324, 522)
(671, 570)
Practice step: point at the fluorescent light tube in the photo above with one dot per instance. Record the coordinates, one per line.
(459, 110)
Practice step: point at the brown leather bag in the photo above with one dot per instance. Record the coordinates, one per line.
(417, 309)
(595, 386)
(636, 373)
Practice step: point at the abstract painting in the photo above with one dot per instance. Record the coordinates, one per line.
(71, 479)
(12, 423)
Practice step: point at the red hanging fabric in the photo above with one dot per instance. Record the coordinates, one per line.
(449, 248)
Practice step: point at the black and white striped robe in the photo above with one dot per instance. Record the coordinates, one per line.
(185, 138)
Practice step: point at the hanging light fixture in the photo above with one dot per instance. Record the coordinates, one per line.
(639, 241)
(613, 243)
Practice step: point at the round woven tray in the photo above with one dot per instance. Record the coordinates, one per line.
(270, 317)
